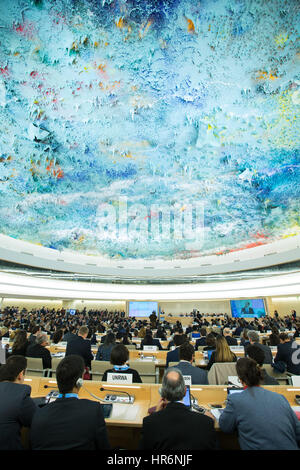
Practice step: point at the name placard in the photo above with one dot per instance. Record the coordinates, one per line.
(2, 355)
(187, 380)
(119, 378)
(150, 348)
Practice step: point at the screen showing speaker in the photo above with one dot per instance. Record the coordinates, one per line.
(249, 308)
(142, 309)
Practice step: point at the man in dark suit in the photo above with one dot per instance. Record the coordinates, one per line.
(174, 426)
(38, 349)
(173, 356)
(185, 365)
(202, 340)
(16, 406)
(227, 335)
(254, 339)
(70, 334)
(69, 423)
(247, 311)
(81, 346)
(288, 355)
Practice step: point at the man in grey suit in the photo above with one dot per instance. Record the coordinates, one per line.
(263, 419)
(187, 357)
(254, 339)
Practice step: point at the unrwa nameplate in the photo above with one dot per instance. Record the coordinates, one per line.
(114, 377)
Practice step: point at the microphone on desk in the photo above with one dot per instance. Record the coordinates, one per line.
(80, 385)
(115, 399)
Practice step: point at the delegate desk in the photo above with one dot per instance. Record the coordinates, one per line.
(124, 425)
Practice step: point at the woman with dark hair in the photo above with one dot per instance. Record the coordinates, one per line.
(263, 419)
(274, 339)
(210, 342)
(119, 359)
(161, 334)
(57, 336)
(20, 344)
(150, 341)
(104, 350)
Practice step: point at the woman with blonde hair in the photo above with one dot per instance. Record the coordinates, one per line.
(222, 352)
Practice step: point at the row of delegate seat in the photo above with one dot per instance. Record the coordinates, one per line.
(149, 373)
(147, 370)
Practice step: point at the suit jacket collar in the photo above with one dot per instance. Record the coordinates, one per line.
(176, 404)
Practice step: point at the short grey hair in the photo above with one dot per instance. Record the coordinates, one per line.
(253, 336)
(41, 338)
(173, 389)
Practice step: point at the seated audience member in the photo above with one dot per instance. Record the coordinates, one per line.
(195, 332)
(210, 342)
(257, 354)
(263, 419)
(70, 334)
(127, 341)
(34, 332)
(142, 332)
(57, 336)
(174, 426)
(119, 359)
(177, 331)
(202, 340)
(20, 344)
(244, 338)
(274, 339)
(185, 365)
(239, 328)
(150, 341)
(16, 406)
(189, 329)
(173, 356)
(222, 353)
(81, 346)
(254, 339)
(69, 423)
(104, 350)
(297, 331)
(288, 355)
(38, 349)
(161, 334)
(227, 335)
(92, 336)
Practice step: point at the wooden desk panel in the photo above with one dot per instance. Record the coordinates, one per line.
(127, 433)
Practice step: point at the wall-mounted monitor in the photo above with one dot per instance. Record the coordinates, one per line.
(71, 311)
(142, 309)
(248, 308)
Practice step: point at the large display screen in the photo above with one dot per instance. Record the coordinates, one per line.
(253, 308)
(142, 309)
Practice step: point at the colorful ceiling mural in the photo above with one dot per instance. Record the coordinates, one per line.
(149, 129)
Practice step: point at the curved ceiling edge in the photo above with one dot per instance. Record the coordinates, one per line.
(17, 251)
(22, 286)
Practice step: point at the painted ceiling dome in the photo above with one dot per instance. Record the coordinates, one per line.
(149, 129)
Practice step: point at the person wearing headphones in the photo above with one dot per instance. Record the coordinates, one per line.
(69, 423)
(174, 426)
(16, 406)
